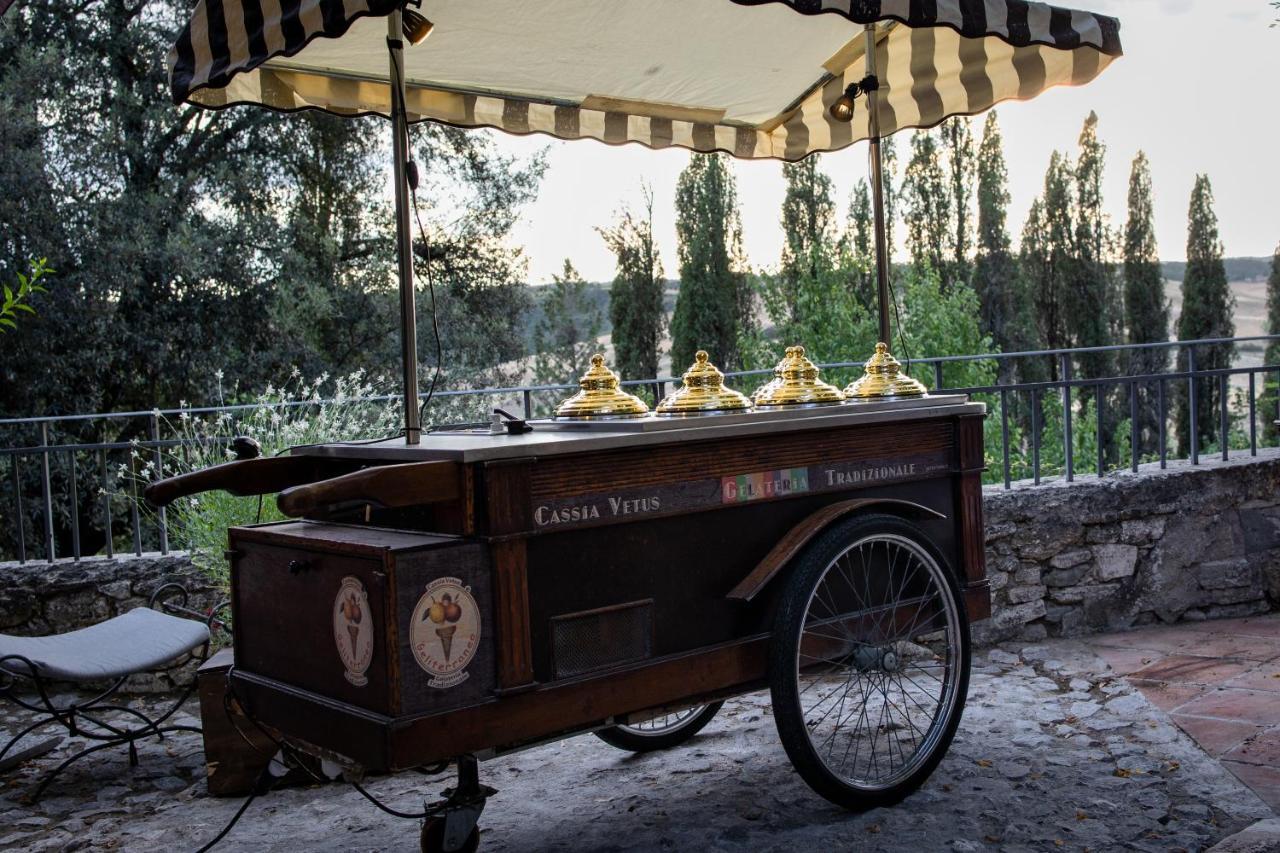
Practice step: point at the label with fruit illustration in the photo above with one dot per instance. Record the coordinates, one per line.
(353, 630)
(444, 631)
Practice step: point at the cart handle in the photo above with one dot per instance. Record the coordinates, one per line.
(242, 478)
(387, 486)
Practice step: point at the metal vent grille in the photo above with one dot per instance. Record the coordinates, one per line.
(594, 639)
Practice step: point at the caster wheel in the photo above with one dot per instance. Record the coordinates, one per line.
(869, 661)
(432, 838)
(662, 732)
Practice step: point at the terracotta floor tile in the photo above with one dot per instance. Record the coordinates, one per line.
(1217, 626)
(1262, 677)
(1232, 646)
(1265, 781)
(1262, 748)
(1257, 626)
(1215, 736)
(1252, 706)
(1191, 669)
(1167, 697)
(1124, 661)
(1162, 639)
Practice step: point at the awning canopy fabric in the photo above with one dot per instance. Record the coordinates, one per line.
(750, 77)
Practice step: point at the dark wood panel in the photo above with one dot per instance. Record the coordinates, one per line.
(506, 496)
(511, 606)
(582, 474)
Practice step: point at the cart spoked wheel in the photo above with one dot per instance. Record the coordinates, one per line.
(662, 732)
(869, 663)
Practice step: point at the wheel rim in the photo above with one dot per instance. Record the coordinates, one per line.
(878, 662)
(664, 724)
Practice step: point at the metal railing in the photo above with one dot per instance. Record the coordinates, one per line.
(43, 520)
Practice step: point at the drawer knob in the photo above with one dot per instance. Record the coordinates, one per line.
(297, 567)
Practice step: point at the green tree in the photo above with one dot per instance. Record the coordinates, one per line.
(926, 201)
(1207, 306)
(564, 338)
(857, 246)
(1048, 256)
(17, 302)
(1146, 309)
(1091, 299)
(1269, 405)
(714, 303)
(809, 232)
(635, 300)
(957, 138)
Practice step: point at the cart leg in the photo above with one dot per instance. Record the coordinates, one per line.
(454, 828)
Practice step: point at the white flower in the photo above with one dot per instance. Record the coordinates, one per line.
(217, 374)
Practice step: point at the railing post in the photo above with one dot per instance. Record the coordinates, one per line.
(1194, 430)
(162, 519)
(1224, 422)
(1004, 432)
(1133, 427)
(937, 376)
(1102, 449)
(21, 517)
(1163, 432)
(1035, 435)
(1253, 415)
(1068, 451)
(75, 508)
(528, 404)
(46, 492)
(106, 504)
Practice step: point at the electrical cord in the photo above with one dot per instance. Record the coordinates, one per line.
(293, 757)
(893, 293)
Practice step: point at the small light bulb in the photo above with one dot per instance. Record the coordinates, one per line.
(842, 109)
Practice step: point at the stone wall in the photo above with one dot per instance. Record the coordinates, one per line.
(1183, 543)
(40, 598)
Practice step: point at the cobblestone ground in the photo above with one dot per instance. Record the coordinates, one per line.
(1053, 753)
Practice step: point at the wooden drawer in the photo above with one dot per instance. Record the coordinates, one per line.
(392, 621)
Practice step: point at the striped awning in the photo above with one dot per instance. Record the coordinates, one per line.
(750, 77)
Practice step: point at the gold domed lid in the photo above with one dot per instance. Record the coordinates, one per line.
(884, 379)
(703, 391)
(797, 384)
(601, 397)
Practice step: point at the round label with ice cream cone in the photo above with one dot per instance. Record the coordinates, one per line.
(353, 630)
(444, 632)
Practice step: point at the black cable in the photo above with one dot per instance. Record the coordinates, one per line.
(259, 787)
(893, 293)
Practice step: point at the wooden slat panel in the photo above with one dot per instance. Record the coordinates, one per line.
(642, 467)
(511, 609)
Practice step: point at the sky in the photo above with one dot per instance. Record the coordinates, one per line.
(1196, 89)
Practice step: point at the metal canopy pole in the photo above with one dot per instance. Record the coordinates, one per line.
(404, 236)
(877, 190)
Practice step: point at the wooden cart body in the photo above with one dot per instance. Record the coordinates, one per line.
(610, 572)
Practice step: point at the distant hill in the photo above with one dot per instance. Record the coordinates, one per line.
(1238, 269)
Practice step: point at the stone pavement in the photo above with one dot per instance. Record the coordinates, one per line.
(1220, 682)
(1054, 753)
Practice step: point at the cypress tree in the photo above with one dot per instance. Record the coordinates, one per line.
(1006, 305)
(926, 203)
(808, 226)
(1048, 256)
(1269, 405)
(715, 298)
(1091, 302)
(1146, 309)
(859, 246)
(957, 136)
(635, 300)
(1207, 305)
(564, 337)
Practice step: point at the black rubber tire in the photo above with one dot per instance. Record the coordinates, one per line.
(624, 738)
(805, 573)
(431, 839)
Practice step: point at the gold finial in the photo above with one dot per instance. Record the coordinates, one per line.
(796, 382)
(702, 392)
(883, 378)
(600, 396)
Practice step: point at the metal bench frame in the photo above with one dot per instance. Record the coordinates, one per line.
(83, 718)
